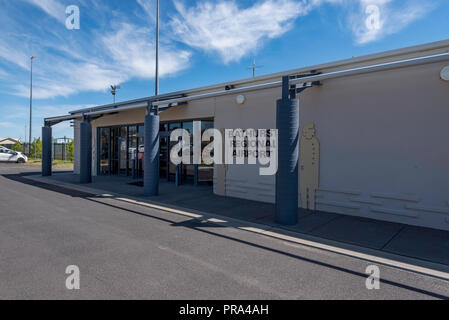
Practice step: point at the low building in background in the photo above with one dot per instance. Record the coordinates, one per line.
(9, 142)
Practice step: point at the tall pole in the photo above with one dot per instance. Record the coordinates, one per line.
(156, 89)
(254, 68)
(31, 104)
(114, 89)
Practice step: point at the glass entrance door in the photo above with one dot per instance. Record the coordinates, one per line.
(188, 170)
(114, 151)
(115, 148)
(140, 150)
(171, 166)
(206, 171)
(132, 150)
(164, 157)
(103, 151)
(123, 146)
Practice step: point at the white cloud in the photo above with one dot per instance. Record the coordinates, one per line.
(391, 18)
(3, 74)
(231, 31)
(69, 78)
(69, 62)
(149, 6)
(52, 8)
(226, 28)
(12, 54)
(6, 124)
(128, 52)
(134, 53)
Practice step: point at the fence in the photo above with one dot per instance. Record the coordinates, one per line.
(60, 150)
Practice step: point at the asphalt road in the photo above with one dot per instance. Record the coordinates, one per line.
(127, 251)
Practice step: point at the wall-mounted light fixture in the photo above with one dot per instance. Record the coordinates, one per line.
(445, 74)
(240, 99)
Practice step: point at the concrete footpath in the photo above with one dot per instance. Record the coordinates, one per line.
(411, 248)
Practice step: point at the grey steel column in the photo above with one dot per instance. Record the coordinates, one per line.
(195, 175)
(287, 122)
(85, 152)
(178, 175)
(151, 156)
(46, 151)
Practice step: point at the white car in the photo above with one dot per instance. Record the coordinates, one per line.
(7, 155)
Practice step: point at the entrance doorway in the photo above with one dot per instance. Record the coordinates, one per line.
(120, 150)
(114, 151)
(186, 171)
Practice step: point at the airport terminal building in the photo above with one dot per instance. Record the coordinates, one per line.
(367, 136)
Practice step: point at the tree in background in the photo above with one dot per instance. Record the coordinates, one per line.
(70, 148)
(36, 148)
(17, 147)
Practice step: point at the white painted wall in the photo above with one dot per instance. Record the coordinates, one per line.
(384, 149)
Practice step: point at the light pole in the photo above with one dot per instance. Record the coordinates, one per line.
(31, 103)
(114, 89)
(156, 89)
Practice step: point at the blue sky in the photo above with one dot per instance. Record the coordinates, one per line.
(202, 42)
